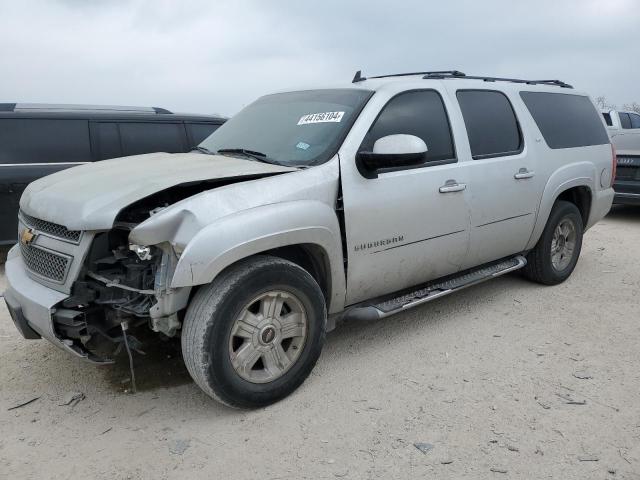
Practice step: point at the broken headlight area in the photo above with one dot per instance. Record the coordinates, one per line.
(120, 288)
(143, 253)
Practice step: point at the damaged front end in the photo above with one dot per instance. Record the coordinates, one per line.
(121, 287)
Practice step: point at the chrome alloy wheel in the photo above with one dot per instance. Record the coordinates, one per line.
(268, 336)
(563, 244)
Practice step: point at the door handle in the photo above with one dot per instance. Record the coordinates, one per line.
(523, 173)
(452, 186)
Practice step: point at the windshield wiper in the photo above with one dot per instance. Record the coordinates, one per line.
(259, 156)
(202, 150)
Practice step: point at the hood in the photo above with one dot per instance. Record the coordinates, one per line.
(89, 197)
(183, 220)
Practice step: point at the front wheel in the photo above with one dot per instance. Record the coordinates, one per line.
(252, 336)
(555, 255)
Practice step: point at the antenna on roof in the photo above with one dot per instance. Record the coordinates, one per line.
(358, 77)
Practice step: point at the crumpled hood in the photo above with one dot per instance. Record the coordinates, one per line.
(89, 197)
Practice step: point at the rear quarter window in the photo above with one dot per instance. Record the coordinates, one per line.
(607, 119)
(565, 121)
(35, 140)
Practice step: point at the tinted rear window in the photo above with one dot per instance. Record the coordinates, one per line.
(138, 138)
(491, 123)
(29, 140)
(607, 119)
(200, 131)
(565, 121)
(625, 121)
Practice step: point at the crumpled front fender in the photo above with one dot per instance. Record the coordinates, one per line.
(249, 232)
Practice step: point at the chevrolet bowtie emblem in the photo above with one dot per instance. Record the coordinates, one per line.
(27, 236)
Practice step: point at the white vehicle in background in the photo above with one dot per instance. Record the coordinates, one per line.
(624, 130)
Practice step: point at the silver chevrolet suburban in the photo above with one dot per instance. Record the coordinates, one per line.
(306, 208)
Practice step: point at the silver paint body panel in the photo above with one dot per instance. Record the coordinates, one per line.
(401, 229)
(89, 197)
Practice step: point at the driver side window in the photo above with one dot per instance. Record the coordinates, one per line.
(421, 113)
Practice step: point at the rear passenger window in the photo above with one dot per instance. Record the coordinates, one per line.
(30, 140)
(565, 121)
(138, 138)
(625, 120)
(635, 120)
(491, 123)
(200, 131)
(607, 119)
(420, 113)
(106, 140)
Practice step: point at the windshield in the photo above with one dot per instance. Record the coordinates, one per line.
(295, 128)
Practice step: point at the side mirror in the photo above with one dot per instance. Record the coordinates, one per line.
(392, 151)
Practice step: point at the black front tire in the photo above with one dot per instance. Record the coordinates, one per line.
(211, 315)
(539, 266)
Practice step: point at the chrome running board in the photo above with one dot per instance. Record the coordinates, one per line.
(380, 309)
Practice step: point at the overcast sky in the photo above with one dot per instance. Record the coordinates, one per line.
(217, 56)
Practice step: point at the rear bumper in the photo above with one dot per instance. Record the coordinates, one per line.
(627, 192)
(627, 198)
(31, 304)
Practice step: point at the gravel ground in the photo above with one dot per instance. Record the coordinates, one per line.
(504, 380)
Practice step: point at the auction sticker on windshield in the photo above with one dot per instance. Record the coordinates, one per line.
(323, 117)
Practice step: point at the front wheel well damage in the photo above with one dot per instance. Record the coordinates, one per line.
(581, 198)
(310, 257)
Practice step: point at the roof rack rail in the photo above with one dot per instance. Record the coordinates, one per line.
(558, 83)
(456, 74)
(52, 107)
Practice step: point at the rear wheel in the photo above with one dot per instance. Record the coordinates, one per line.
(555, 255)
(252, 336)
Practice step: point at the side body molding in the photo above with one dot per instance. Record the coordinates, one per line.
(563, 179)
(249, 232)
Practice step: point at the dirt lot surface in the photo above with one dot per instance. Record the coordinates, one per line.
(504, 380)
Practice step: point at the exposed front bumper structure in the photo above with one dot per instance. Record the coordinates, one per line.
(31, 305)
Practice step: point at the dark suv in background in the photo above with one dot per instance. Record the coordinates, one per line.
(40, 139)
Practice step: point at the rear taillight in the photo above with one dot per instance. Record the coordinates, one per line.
(614, 164)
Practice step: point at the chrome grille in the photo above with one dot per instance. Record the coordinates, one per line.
(50, 228)
(44, 263)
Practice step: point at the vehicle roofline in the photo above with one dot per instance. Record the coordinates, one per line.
(124, 116)
(418, 81)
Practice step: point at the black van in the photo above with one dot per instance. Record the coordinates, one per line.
(40, 139)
